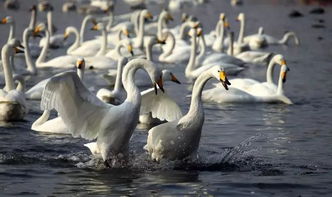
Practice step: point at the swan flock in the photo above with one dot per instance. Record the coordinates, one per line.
(135, 55)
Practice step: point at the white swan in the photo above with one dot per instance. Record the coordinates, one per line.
(211, 38)
(56, 125)
(93, 47)
(118, 94)
(12, 101)
(180, 138)
(65, 61)
(138, 42)
(260, 40)
(86, 116)
(252, 91)
(192, 72)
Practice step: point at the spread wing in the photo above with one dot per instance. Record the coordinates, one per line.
(161, 105)
(81, 111)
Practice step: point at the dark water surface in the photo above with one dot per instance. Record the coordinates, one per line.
(252, 149)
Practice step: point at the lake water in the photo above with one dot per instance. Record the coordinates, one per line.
(245, 150)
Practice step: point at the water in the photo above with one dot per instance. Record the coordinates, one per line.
(245, 150)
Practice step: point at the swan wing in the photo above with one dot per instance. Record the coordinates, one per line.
(81, 111)
(161, 105)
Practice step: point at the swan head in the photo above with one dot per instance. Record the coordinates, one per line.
(80, 63)
(16, 45)
(222, 16)
(219, 73)
(283, 73)
(167, 15)
(147, 14)
(33, 8)
(44, 6)
(98, 26)
(39, 28)
(240, 17)
(169, 76)
(185, 17)
(7, 20)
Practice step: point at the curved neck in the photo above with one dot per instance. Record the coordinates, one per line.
(128, 78)
(161, 23)
(7, 70)
(183, 28)
(241, 33)
(196, 111)
(50, 23)
(32, 23)
(76, 43)
(140, 35)
(191, 64)
(148, 50)
(169, 37)
(42, 119)
(43, 53)
(287, 36)
(110, 22)
(103, 48)
(219, 43)
(118, 81)
(11, 31)
(20, 84)
(82, 30)
(218, 26)
(269, 72)
(30, 64)
(202, 48)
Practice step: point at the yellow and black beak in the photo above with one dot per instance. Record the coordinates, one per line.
(196, 25)
(199, 32)
(80, 64)
(149, 15)
(174, 79)
(4, 21)
(95, 27)
(226, 24)
(160, 85)
(161, 41)
(19, 49)
(284, 75)
(130, 50)
(223, 79)
(169, 17)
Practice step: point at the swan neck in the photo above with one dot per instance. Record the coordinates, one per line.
(7, 70)
(83, 26)
(269, 72)
(280, 89)
(80, 73)
(196, 111)
(11, 32)
(110, 21)
(103, 48)
(161, 21)
(192, 59)
(140, 36)
(32, 23)
(171, 38)
(42, 119)
(118, 83)
(50, 23)
(128, 79)
(183, 28)
(219, 44)
(241, 33)
(76, 43)
(43, 53)
(202, 48)
(148, 51)
(30, 64)
(20, 84)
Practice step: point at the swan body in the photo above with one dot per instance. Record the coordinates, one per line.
(12, 101)
(252, 91)
(180, 138)
(260, 40)
(254, 57)
(86, 116)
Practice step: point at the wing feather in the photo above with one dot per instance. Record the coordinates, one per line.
(81, 111)
(161, 105)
